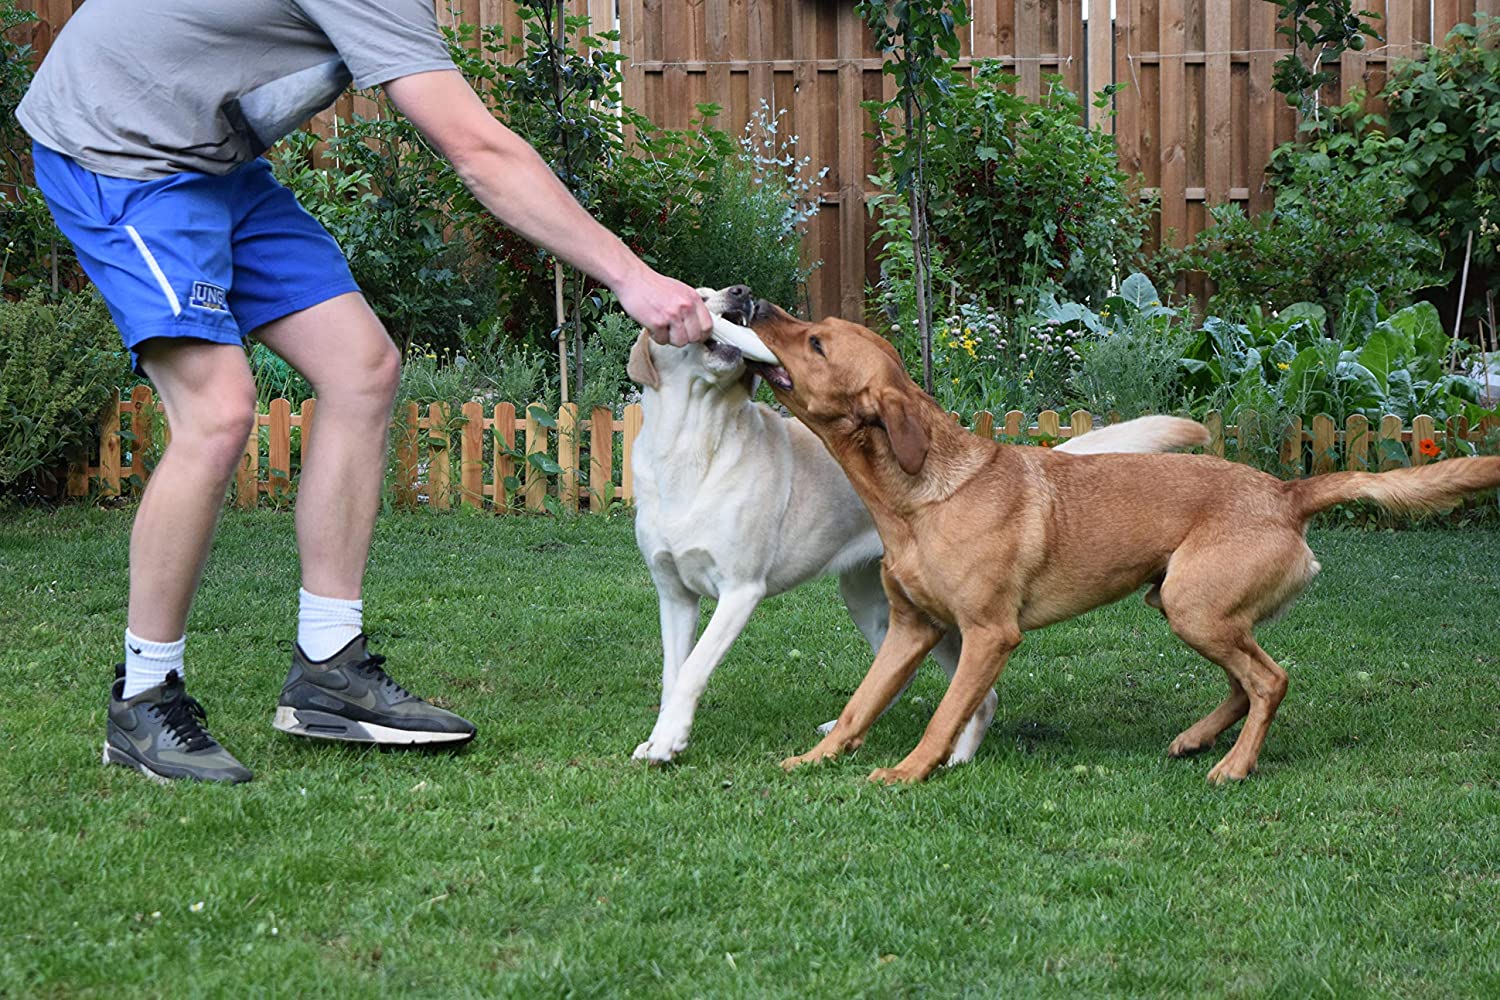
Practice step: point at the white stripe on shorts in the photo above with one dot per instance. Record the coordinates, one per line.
(161, 279)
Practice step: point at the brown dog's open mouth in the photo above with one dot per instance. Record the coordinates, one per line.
(776, 375)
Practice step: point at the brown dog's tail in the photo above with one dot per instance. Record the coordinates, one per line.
(1405, 491)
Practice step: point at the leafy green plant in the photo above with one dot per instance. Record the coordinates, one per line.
(1328, 234)
(32, 252)
(1133, 364)
(1031, 198)
(59, 361)
(1437, 145)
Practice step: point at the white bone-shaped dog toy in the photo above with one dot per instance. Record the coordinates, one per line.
(744, 339)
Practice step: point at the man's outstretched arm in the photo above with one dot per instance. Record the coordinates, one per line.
(511, 180)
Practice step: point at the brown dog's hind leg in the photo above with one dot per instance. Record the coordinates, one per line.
(1202, 734)
(979, 664)
(1260, 680)
(909, 639)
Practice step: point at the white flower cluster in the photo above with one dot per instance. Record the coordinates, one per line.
(774, 159)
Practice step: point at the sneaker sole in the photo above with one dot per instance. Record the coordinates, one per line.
(114, 755)
(326, 726)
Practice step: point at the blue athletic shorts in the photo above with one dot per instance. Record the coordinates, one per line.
(193, 255)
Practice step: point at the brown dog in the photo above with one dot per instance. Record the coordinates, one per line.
(998, 540)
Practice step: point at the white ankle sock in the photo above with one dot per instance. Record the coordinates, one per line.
(148, 663)
(326, 625)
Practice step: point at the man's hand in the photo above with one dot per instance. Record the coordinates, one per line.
(671, 312)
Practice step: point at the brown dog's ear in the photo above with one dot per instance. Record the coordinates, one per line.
(908, 435)
(640, 367)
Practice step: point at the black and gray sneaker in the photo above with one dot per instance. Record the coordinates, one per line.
(350, 697)
(160, 732)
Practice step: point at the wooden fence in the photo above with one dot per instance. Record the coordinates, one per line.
(1196, 122)
(481, 456)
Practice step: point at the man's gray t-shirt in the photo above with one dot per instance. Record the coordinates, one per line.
(149, 88)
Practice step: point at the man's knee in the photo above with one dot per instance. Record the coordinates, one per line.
(220, 431)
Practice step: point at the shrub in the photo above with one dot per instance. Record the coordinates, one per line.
(1437, 142)
(1027, 197)
(59, 361)
(1327, 235)
(1133, 365)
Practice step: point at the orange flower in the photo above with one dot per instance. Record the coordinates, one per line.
(1429, 447)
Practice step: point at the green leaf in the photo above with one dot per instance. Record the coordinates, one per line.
(1138, 291)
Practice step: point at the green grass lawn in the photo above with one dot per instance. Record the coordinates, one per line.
(1070, 857)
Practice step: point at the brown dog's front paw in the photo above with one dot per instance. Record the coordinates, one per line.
(901, 774)
(1229, 769)
(811, 757)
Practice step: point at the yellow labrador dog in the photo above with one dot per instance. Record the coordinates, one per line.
(737, 503)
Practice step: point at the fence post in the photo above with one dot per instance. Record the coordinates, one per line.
(1324, 444)
(309, 407)
(279, 451)
(984, 424)
(504, 442)
(1422, 428)
(409, 434)
(1390, 430)
(567, 455)
(631, 429)
(601, 458)
(1458, 428)
(439, 461)
(142, 417)
(1015, 425)
(471, 456)
(1357, 443)
(247, 480)
(1214, 421)
(109, 447)
(1081, 422)
(78, 472)
(536, 444)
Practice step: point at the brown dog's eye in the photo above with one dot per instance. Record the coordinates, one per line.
(816, 345)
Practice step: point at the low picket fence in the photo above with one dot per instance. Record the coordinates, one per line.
(497, 458)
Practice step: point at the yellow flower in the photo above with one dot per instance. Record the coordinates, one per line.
(1283, 366)
(955, 381)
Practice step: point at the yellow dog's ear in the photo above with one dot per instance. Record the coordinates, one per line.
(640, 367)
(908, 435)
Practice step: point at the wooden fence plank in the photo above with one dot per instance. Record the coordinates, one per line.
(408, 438)
(279, 448)
(309, 407)
(1217, 99)
(1173, 122)
(471, 456)
(984, 424)
(1015, 425)
(1423, 428)
(109, 448)
(1291, 447)
(631, 431)
(439, 459)
(1391, 452)
(142, 432)
(1357, 443)
(1080, 422)
(1324, 444)
(1100, 62)
(536, 444)
(1049, 426)
(567, 455)
(503, 443)
(1214, 421)
(601, 458)
(247, 480)
(1247, 435)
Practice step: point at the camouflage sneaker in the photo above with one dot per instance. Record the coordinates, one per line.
(349, 697)
(160, 732)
